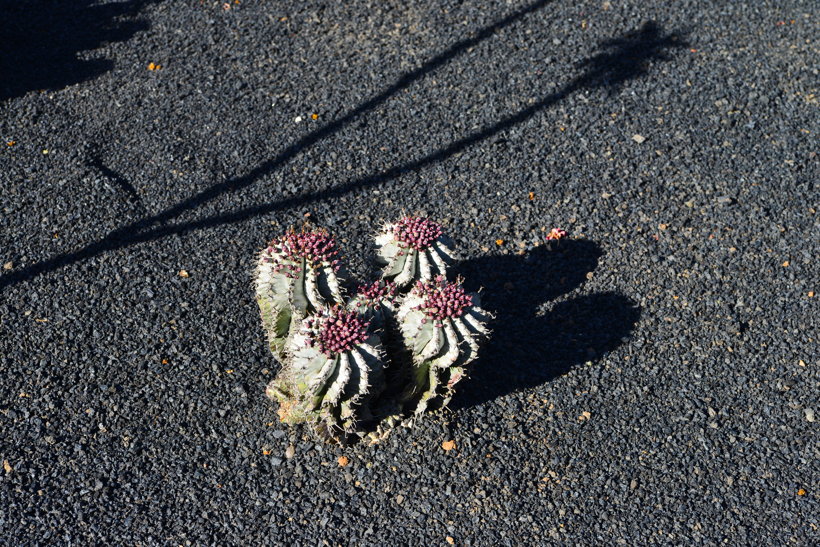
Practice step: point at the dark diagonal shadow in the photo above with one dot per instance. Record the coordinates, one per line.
(529, 348)
(125, 187)
(620, 60)
(41, 39)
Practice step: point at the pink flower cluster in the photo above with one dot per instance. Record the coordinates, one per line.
(442, 299)
(556, 233)
(336, 331)
(417, 232)
(315, 247)
(375, 293)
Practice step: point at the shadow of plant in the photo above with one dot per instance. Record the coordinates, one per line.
(528, 347)
(41, 40)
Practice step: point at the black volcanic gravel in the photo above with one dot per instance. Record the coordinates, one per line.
(654, 380)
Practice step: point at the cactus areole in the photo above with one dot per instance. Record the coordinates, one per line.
(355, 367)
(317, 248)
(375, 294)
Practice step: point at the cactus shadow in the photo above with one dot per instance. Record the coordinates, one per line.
(533, 343)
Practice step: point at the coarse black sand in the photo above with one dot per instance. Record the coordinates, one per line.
(652, 381)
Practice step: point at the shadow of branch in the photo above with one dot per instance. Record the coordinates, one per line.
(622, 59)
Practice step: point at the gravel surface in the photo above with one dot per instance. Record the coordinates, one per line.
(653, 381)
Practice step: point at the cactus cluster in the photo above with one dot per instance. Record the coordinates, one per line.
(391, 351)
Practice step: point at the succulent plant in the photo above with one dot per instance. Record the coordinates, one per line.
(335, 366)
(442, 327)
(376, 302)
(413, 249)
(391, 352)
(295, 277)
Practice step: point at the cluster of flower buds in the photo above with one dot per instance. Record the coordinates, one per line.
(316, 247)
(373, 294)
(417, 232)
(442, 300)
(336, 330)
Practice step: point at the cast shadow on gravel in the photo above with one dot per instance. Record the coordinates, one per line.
(529, 348)
(41, 40)
(617, 61)
(94, 161)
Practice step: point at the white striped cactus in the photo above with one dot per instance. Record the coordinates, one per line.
(335, 365)
(442, 326)
(295, 276)
(391, 352)
(413, 249)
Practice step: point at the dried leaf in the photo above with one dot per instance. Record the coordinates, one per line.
(448, 445)
(7, 466)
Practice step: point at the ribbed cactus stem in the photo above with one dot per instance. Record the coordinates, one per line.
(413, 249)
(335, 367)
(376, 302)
(295, 276)
(442, 327)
